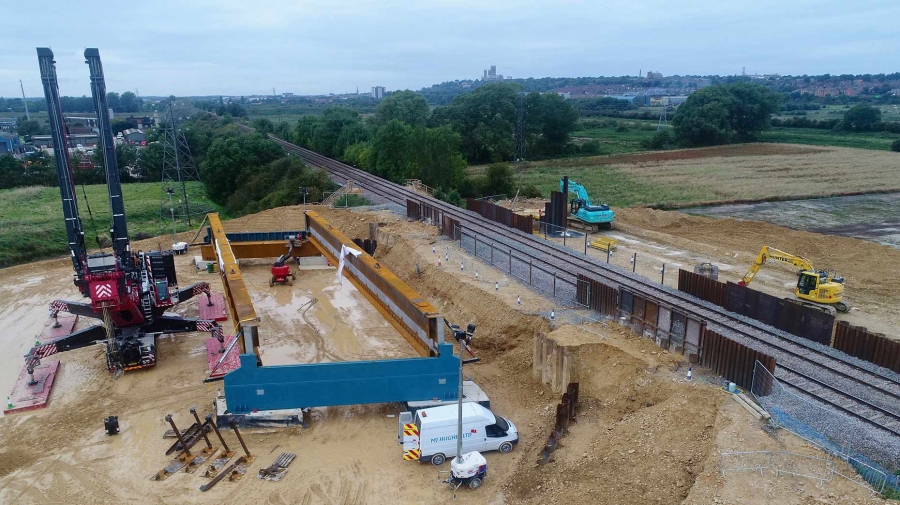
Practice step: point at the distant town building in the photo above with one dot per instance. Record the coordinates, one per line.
(287, 95)
(651, 75)
(9, 144)
(134, 137)
(86, 140)
(8, 123)
(378, 92)
(491, 74)
(142, 122)
(89, 121)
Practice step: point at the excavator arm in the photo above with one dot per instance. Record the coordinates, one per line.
(770, 253)
(578, 189)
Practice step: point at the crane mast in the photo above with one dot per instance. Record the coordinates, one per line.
(119, 227)
(64, 175)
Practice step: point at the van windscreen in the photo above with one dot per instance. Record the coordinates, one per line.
(502, 424)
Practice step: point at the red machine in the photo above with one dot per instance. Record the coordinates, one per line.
(281, 272)
(129, 291)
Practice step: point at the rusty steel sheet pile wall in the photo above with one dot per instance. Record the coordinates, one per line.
(670, 328)
(556, 210)
(872, 347)
(414, 317)
(413, 210)
(702, 287)
(596, 295)
(450, 228)
(731, 360)
(784, 314)
(500, 215)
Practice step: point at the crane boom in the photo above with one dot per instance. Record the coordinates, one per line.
(119, 226)
(768, 253)
(64, 175)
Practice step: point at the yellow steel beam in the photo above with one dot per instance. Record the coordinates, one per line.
(261, 249)
(239, 304)
(391, 285)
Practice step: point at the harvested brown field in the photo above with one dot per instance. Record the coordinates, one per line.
(749, 172)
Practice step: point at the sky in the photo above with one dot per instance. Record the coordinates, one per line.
(230, 47)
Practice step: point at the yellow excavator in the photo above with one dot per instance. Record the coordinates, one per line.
(820, 289)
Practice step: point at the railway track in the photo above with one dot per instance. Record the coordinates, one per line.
(841, 382)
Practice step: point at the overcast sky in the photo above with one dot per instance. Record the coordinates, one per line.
(235, 47)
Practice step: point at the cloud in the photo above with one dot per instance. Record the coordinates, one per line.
(206, 47)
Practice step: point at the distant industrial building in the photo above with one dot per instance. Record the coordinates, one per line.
(9, 144)
(88, 121)
(651, 75)
(134, 137)
(86, 140)
(8, 123)
(378, 92)
(142, 122)
(491, 74)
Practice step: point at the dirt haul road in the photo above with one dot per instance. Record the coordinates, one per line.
(644, 435)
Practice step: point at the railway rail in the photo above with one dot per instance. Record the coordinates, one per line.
(839, 381)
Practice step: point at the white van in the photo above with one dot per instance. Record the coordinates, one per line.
(430, 434)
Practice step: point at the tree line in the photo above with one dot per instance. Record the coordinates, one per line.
(405, 139)
(125, 102)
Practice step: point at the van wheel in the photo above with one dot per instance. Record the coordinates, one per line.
(438, 459)
(505, 447)
(475, 483)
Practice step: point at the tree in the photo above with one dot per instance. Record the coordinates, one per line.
(405, 106)
(231, 162)
(391, 152)
(126, 156)
(895, 146)
(553, 117)
(725, 113)
(326, 134)
(28, 128)
(150, 162)
(499, 180)
(119, 124)
(485, 120)
(434, 157)
(860, 118)
(129, 102)
(112, 100)
(263, 126)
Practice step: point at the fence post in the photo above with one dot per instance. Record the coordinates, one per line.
(529, 272)
(662, 279)
(608, 252)
(554, 284)
(634, 263)
(565, 232)
(492, 253)
(476, 245)
(510, 262)
(585, 244)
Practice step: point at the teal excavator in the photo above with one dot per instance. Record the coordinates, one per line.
(582, 213)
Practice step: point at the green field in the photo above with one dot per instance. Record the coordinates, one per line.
(817, 137)
(888, 112)
(612, 139)
(31, 221)
(611, 185)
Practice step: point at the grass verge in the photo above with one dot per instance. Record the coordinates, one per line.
(31, 220)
